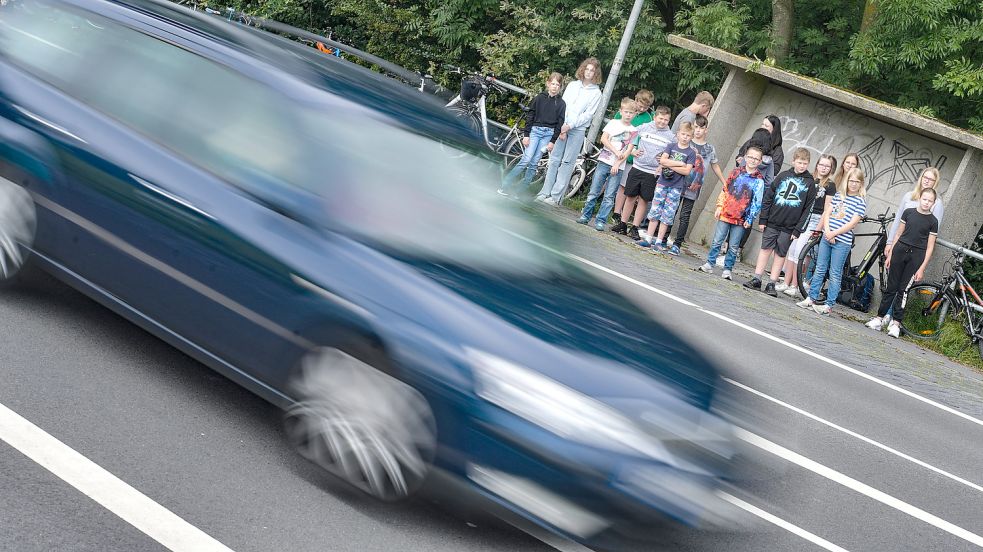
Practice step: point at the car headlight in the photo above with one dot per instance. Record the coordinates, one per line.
(559, 409)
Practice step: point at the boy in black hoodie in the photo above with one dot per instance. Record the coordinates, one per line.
(784, 211)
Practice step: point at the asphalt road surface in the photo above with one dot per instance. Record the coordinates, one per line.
(864, 443)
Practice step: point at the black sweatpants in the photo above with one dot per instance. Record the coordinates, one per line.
(905, 261)
(684, 212)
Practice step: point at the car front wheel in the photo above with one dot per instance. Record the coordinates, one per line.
(18, 223)
(361, 424)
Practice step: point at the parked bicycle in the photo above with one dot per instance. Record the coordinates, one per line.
(470, 105)
(926, 306)
(583, 167)
(852, 277)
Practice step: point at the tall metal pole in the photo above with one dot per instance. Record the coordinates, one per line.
(619, 58)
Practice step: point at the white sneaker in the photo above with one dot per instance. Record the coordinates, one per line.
(781, 286)
(805, 303)
(726, 275)
(876, 323)
(894, 329)
(549, 201)
(502, 192)
(792, 292)
(705, 267)
(822, 309)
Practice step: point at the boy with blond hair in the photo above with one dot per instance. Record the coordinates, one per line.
(616, 138)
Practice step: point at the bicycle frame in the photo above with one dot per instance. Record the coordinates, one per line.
(961, 284)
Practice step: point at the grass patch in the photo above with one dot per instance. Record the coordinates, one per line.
(576, 202)
(955, 344)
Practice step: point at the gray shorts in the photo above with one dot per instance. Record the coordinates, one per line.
(779, 240)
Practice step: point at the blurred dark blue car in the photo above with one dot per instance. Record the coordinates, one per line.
(331, 240)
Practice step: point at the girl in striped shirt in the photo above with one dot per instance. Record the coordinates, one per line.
(839, 219)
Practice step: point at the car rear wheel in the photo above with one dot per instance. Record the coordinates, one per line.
(361, 424)
(18, 224)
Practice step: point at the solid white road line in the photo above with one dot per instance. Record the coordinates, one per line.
(868, 440)
(750, 508)
(755, 331)
(862, 488)
(109, 491)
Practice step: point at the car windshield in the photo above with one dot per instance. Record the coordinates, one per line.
(413, 194)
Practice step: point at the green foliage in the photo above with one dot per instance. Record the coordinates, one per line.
(920, 55)
(925, 56)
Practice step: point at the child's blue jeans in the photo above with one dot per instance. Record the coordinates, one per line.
(603, 180)
(829, 259)
(732, 234)
(539, 138)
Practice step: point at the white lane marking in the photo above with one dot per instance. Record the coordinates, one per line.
(775, 520)
(868, 440)
(862, 488)
(106, 489)
(756, 331)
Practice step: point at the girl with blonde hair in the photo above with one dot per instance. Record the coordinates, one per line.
(841, 216)
(928, 178)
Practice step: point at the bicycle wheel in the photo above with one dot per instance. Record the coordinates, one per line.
(577, 180)
(512, 152)
(468, 115)
(925, 309)
(807, 265)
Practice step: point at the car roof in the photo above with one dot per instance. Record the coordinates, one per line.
(417, 111)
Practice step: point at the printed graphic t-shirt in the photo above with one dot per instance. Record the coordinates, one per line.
(620, 134)
(821, 192)
(650, 142)
(685, 155)
(706, 155)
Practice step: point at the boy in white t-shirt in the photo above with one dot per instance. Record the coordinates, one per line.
(616, 138)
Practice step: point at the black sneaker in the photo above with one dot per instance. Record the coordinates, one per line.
(633, 233)
(770, 289)
(616, 218)
(620, 228)
(753, 283)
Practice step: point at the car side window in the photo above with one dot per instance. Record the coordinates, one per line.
(227, 123)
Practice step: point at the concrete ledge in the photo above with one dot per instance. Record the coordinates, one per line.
(868, 106)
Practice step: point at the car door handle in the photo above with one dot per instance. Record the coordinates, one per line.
(168, 195)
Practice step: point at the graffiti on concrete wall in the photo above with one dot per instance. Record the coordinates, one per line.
(891, 157)
(908, 163)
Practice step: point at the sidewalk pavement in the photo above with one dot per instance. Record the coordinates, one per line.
(842, 336)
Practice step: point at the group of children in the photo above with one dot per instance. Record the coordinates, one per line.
(649, 169)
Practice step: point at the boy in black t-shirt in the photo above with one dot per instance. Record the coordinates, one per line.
(785, 209)
(907, 259)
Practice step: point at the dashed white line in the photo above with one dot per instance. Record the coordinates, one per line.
(862, 488)
(856, 435)
(106, 489)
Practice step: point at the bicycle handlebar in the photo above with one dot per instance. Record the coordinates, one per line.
(489, 79)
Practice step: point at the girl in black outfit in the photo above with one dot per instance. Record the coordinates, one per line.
(907, 258)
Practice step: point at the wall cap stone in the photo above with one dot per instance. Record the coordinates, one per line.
(813, 87)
